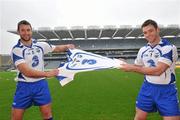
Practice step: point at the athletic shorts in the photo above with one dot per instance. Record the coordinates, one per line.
(33, 93)
(161, 98)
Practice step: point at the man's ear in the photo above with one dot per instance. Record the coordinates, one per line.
(158, 30)
(18, 32)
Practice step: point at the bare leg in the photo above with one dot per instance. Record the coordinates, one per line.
(140, 115)
(46, 111)
(17, 114)
(172, 118)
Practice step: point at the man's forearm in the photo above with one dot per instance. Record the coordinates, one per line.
(34, 73)
(60, 48)
(147, 70)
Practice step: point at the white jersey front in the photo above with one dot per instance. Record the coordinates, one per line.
(149, 56)
(32, 56)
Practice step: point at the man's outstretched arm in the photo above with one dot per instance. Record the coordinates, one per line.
(63, 48)
(158, 70)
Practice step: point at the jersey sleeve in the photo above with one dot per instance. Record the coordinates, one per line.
(175, 53)
(47, 47)
(168, 55)
(138, 60)
(17, 56)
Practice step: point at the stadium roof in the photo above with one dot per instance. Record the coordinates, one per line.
(95, 32)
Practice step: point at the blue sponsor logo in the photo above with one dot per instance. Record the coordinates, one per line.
(35, 61)
(151, 62)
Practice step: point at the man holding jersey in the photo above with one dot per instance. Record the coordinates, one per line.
(156, 61)
(32, 88)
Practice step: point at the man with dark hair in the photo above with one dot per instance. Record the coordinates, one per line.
(24, 22)
(156, 61)
(32, 88)
(149, 22)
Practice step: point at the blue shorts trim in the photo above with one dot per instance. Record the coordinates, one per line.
(161, 98)
(33, 93)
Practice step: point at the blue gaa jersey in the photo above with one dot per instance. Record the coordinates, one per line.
(164, 52)
(32, 56)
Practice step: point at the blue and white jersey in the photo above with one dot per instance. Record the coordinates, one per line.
(164, 52)
(32, 56)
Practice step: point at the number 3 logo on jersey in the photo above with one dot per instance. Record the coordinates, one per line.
(35, 61)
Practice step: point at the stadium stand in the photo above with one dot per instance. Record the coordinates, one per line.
(92, 32)
(5, 62)
(111, 41)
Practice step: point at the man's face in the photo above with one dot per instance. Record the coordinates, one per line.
(151, 33)
(25, 32)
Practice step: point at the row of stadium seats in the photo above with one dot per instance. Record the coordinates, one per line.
(97, 32)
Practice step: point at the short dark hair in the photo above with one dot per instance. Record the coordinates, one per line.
(23, 22)
(149, 22)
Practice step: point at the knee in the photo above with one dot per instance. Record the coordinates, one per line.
(138, 117)
(47, 114)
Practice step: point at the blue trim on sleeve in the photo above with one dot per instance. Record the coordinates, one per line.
(18, 45)
(168, 55)
(15, 58)
(20, 76)
(164, 42)
(173, 78)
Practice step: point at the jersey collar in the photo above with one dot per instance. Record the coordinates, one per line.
(20, 44)
(160, 43)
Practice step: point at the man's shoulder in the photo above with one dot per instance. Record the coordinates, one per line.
(18, 47)
(165, 42)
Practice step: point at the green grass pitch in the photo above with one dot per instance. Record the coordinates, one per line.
(95, 95)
